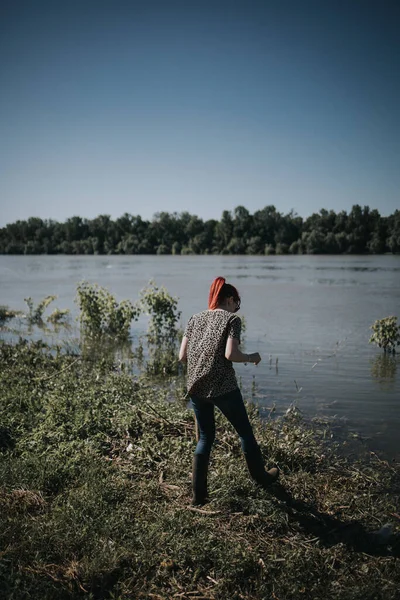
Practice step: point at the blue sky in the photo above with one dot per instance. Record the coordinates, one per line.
(120, 106)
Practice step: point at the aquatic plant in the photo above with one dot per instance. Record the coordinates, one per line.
(100, 313)
(7, 313)
(59, 316)
(35, 314)
(386, 334)
(162, 310)
(163, 332)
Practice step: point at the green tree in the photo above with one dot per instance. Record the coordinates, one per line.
(129, 244)
(265, 224)
(223, 231)
(242, 227)
(255, 245)
(236, 245)
(313, 242)
(393, 233)
(362, 230)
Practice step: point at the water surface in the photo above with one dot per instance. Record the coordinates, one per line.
(308, 316)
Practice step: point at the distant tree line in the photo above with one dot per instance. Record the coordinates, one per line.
(267, 231)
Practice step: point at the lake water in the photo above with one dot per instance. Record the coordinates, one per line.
(308, 316)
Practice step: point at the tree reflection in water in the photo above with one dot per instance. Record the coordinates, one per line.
(383, 369)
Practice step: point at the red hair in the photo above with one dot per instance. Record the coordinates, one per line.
(220, 290)
(215, 290)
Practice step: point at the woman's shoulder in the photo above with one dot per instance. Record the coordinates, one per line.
(198, 316)
(222, 316)
(217, 315)
(204, 314)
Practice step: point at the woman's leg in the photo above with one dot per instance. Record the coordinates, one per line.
(204, 412)
(233, 408)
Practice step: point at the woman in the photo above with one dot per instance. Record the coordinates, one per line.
(210, 346)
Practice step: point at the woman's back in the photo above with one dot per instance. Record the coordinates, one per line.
(210, 374)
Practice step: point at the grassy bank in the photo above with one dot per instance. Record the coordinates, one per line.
(95, 497)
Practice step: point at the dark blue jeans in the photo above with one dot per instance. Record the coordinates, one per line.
(232, 406)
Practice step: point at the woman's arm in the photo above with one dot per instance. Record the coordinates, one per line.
(183, 350)
(233, 353)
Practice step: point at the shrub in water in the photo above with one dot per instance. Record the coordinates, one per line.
(162, 333)
(102, 314)
(7, 313)
(59, 316)
(162, 309)
(386, 334)
(35, 314)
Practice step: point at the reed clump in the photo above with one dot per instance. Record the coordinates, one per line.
(95, 469)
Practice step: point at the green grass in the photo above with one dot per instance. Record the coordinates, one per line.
(95, 472)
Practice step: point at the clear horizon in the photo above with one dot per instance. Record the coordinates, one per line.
(113, 107)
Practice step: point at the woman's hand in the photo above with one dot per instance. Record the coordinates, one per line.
(233, 353)
(255, 358)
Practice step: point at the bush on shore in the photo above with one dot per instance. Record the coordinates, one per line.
(95, 496)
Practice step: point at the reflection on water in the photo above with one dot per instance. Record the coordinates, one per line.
(358, 269)
(272, 268)
(105, 348)
(22, 327)
(383, 369)
(331, 281)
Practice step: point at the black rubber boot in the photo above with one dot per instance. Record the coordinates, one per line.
(200, 469)
(256, 468)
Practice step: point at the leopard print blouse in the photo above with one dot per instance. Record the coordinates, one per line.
(209, 373)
